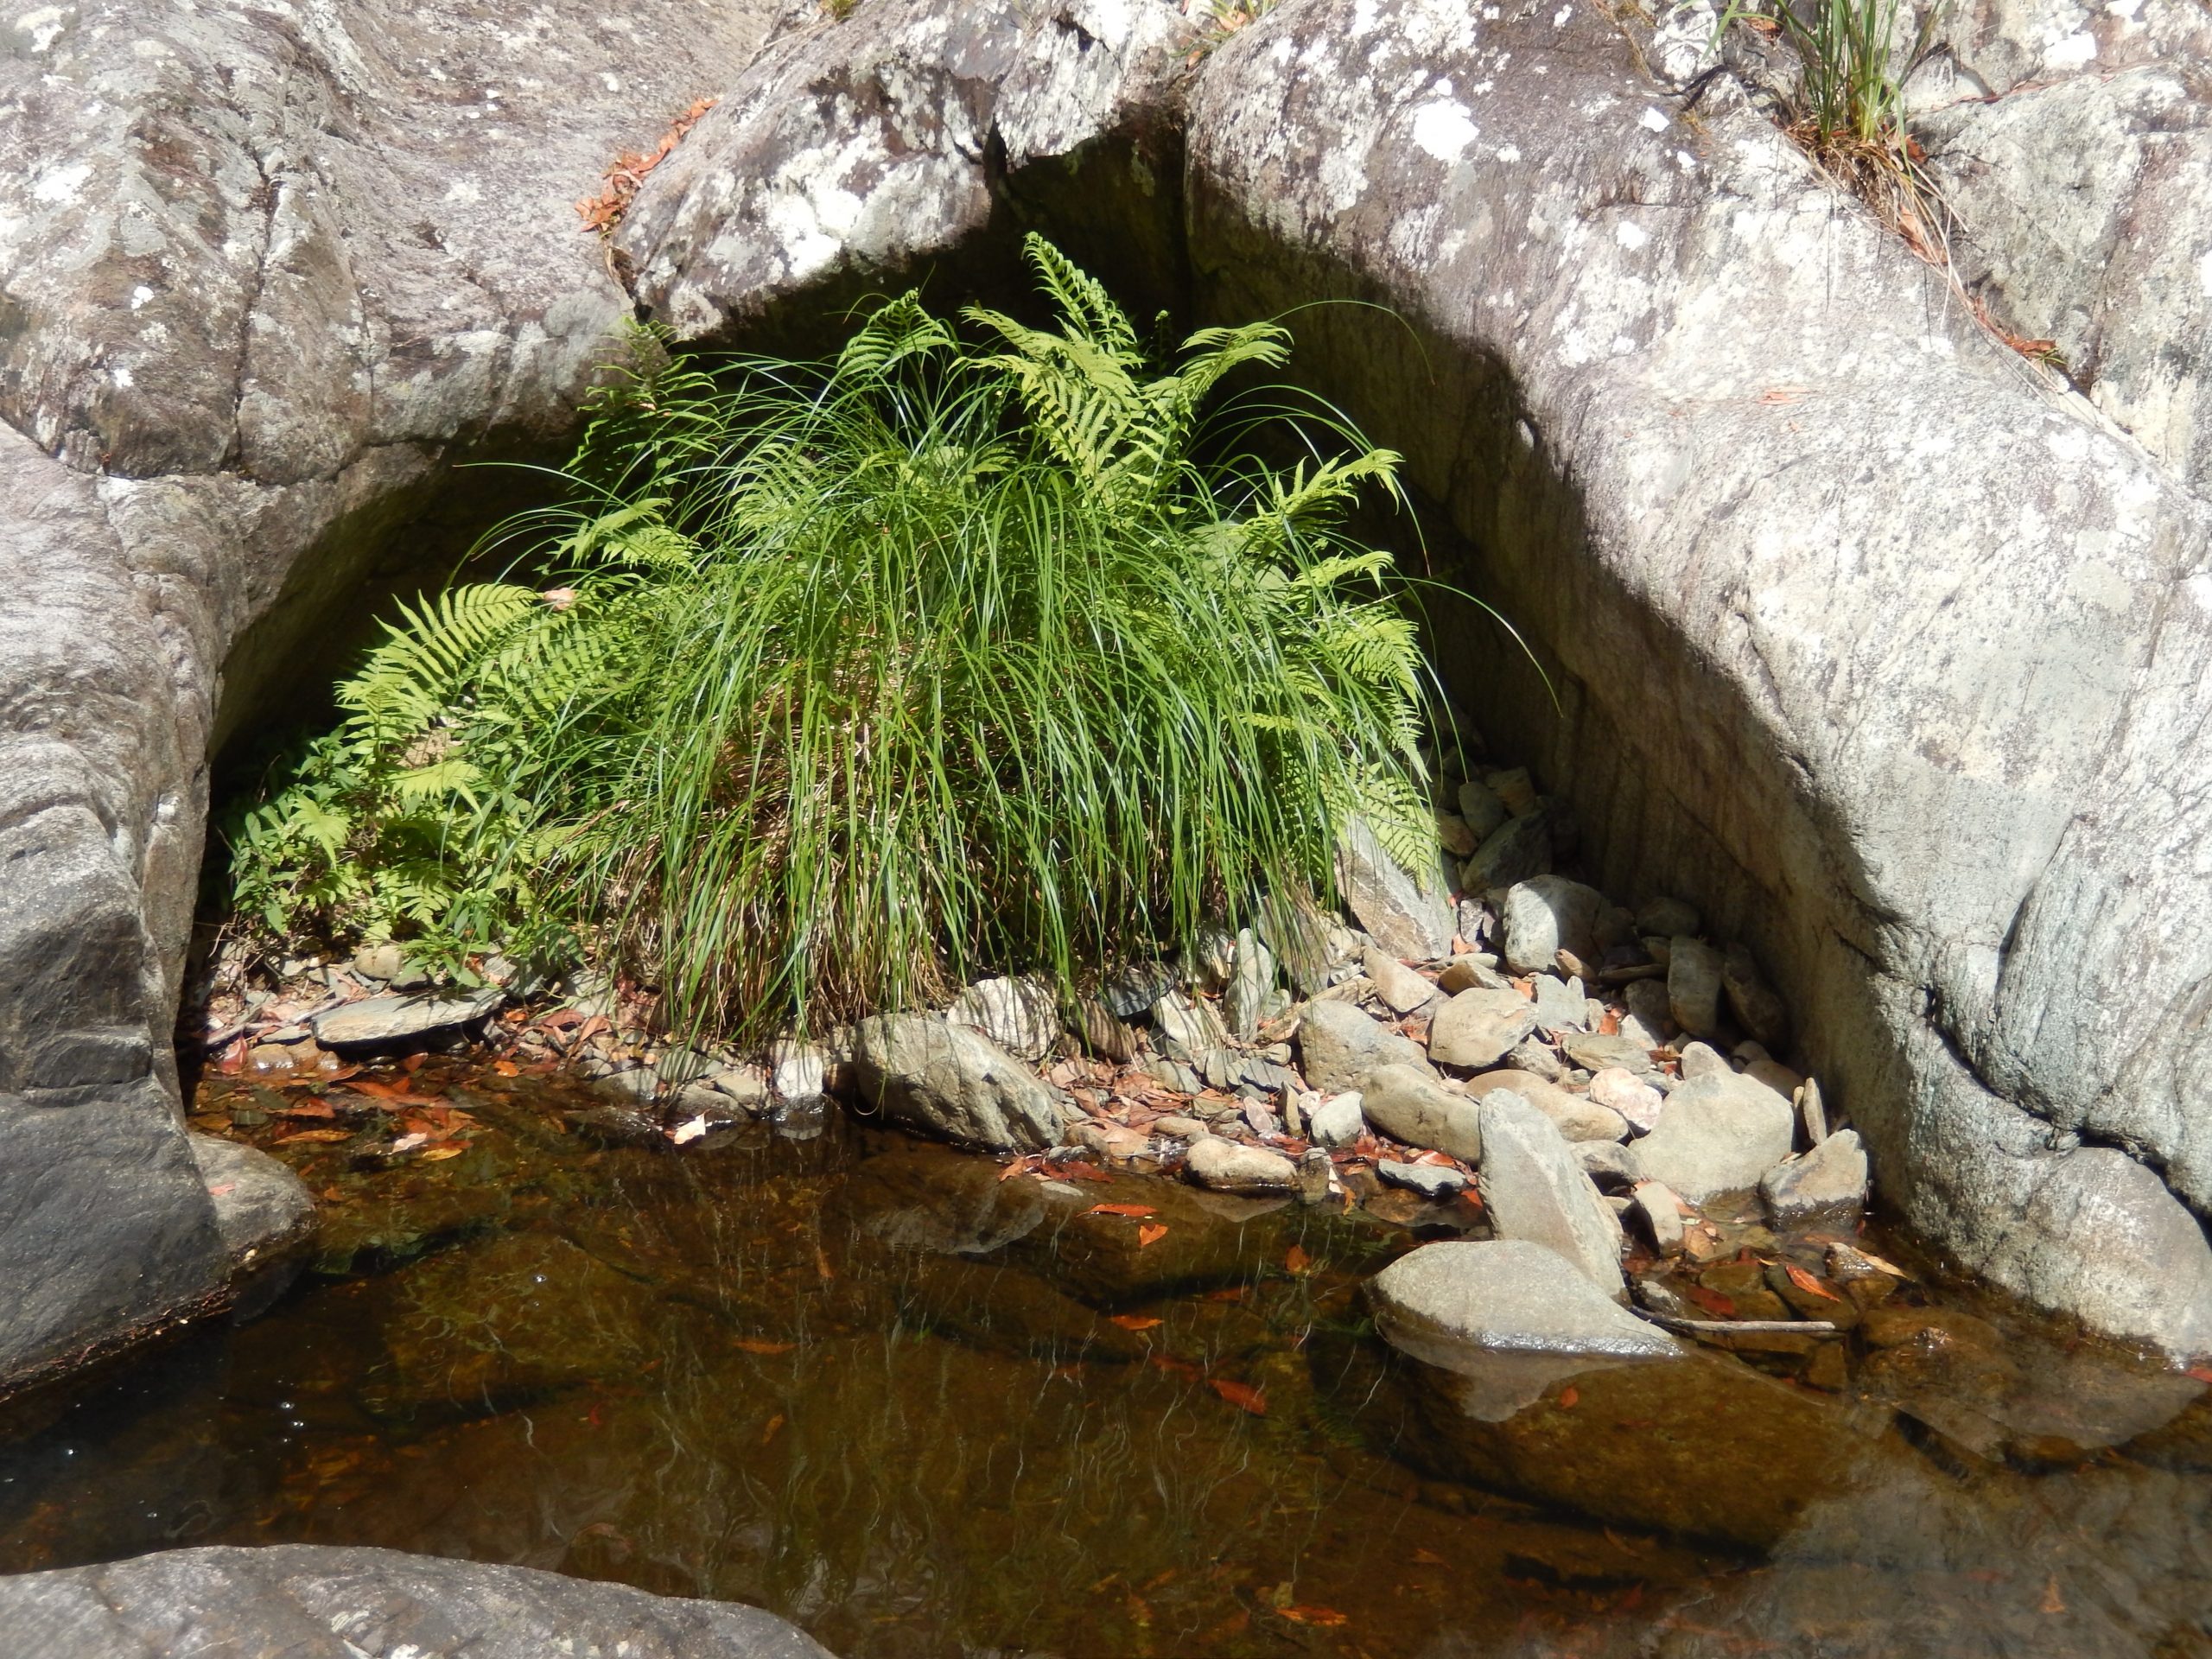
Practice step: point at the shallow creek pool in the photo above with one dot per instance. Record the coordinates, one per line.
(864, 1382)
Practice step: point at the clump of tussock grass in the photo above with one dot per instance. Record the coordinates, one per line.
(980, 646)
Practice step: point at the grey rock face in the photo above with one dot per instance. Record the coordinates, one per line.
(309, 1601)
(1407, 915)
(1830, 1180)
(1535, 1189)
(1546, 914)
(1340, 1047)
(1720, 1133)
(1508, 1295)
(1411, 1106)
(268, 275)
(1479, 1028)
(376, 1021)
(950, 1081)
(2084, 192)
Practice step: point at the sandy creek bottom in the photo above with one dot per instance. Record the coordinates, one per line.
(863, 1382)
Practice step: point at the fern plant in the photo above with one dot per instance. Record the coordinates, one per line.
(840, 683)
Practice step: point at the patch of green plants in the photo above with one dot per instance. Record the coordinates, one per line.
(981, 647)
(1849, 110)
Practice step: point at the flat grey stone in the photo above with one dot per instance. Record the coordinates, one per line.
(1510, 1295)
(1575, 1116)
(376, 1020)
(1720, 1133)
(1535, 1190)
(1479, 1028)
(1560, 1006)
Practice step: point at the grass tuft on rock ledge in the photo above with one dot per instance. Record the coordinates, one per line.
(838, 683)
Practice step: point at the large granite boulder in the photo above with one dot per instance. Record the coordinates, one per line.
(1888, 654)
(309, 1601)
(269, 272)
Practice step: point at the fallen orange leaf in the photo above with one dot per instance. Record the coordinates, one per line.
(1134, 1321)
(1328, 1618)
(1806, 1283)
(315, 1135)
(436, 1153)
(1569, 1398)
(1131, 1210)
(507, 1068)
(1149, 1234)
(1296, 1260)
(1240, 1395)
(763, 1345)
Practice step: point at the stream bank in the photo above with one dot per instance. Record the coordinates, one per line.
(862, 1381)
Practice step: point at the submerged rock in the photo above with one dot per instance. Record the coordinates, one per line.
(266, 1219)
(309, 1601)
(950, 1081)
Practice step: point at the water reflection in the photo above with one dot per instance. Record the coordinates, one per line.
(922, 1411)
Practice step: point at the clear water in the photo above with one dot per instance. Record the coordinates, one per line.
(865, 1383)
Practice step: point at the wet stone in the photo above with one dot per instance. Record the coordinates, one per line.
(1826, 1185)
(1230, 1167)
